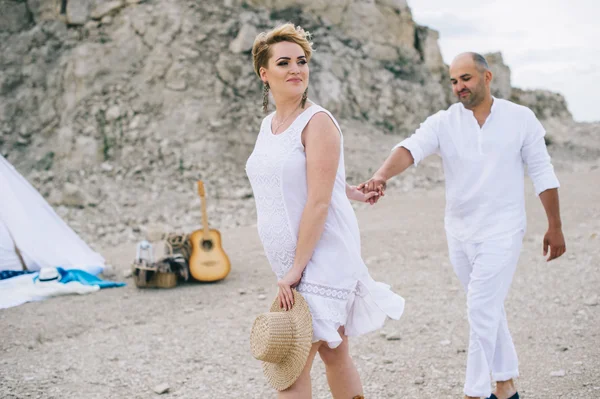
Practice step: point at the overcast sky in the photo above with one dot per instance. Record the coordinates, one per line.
(548, 44)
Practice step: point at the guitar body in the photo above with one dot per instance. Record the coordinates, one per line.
(208, 261)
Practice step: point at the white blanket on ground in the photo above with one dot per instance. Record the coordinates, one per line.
(21, 289)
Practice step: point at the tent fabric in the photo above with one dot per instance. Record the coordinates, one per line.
(9, 259)
(42, 237)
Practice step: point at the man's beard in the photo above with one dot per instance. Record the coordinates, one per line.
(474, 99)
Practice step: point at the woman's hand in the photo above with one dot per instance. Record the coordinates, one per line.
(354, 194)
(285, 295)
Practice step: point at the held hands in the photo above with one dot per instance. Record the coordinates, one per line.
(375, 184)
(556, 241)
(289, 281)
(355, 194)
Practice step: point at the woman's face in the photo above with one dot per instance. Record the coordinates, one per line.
(287, 72)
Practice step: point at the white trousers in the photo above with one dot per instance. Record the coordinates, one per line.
(486, 270)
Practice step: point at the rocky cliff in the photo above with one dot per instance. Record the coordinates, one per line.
(114, 108)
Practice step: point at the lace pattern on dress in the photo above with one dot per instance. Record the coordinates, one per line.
(265, 168)
(331, 300)
(325, 291)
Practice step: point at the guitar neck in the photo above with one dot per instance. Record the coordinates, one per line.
(204, 217)
(203, 201)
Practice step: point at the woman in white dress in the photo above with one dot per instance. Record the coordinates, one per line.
(305, 220)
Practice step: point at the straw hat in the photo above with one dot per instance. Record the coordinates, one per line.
(282, 341)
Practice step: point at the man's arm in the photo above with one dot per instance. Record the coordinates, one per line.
(397, 162)
(540, 170)
(413, 150)
(554, 236)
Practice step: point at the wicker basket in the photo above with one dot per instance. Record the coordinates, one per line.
(145, 277)
(147, 274)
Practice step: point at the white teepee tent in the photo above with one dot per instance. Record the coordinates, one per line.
(28, 222)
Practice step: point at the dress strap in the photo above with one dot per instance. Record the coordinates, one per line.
(266, 123)
(301, 121)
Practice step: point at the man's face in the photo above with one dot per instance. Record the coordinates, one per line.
(469, 84)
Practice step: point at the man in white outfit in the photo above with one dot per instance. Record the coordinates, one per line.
(485, 144)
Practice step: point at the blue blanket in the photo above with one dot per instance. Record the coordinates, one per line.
(4, 274)
(84, 278)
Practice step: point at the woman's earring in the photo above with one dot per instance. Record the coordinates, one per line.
(304, 97)
(266, 97)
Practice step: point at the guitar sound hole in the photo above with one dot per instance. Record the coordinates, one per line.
(207, 245)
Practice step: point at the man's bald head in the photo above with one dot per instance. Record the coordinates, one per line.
(479, 60)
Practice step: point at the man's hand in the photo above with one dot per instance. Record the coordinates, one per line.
(556, 241)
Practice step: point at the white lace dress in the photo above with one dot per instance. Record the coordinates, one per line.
(336, 283)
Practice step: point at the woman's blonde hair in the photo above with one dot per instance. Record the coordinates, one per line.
(261, 49)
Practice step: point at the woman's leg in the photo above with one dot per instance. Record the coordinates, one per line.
(342, 375)
(302, 388)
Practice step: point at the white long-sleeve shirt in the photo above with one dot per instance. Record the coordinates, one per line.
(484, 166)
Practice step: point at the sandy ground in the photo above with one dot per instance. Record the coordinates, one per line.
(120, 343)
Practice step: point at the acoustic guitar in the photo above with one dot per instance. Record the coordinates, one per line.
(208, 261)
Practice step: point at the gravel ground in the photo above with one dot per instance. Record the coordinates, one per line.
(121, 343)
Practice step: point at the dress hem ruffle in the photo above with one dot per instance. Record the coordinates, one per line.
(364, 310)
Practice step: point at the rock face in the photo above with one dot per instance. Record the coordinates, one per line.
(426, 43)
(545, 104)
(78, 12)
(501, 86)
(15, 16)
(154, 66)
(45, 10)
(131, 102)
(384, 28)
